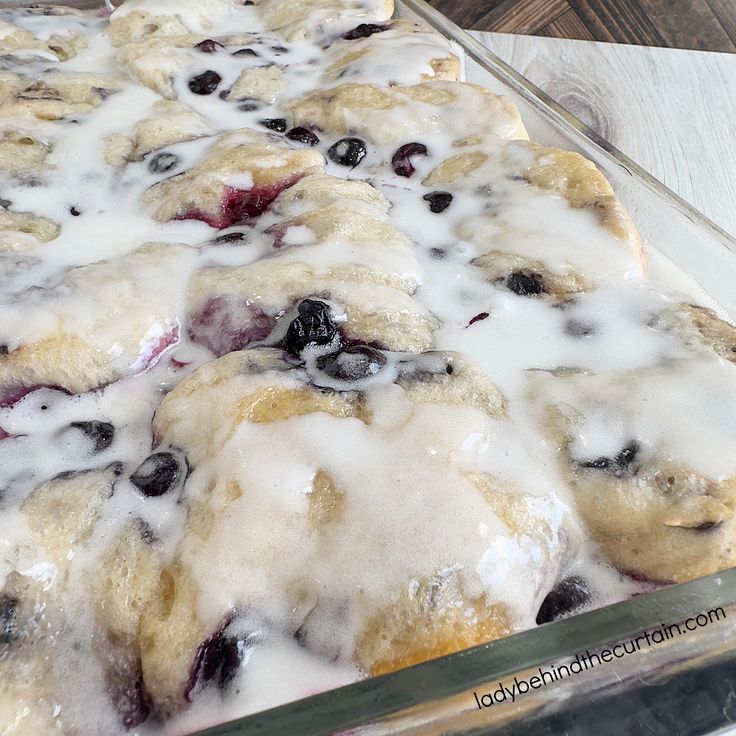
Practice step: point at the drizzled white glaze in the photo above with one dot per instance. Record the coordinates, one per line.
(422, 449)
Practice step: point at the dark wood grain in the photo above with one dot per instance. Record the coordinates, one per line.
(523, 16)
(724, 11)
(675, 24)
(707, 25)
(567, 25)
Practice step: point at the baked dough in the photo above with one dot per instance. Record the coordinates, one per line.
(80, 341)
(398, 115)
(241, 173)
(654, 513)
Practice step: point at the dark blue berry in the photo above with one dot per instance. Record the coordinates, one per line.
(347, 152)
(438, 201)
(313, 326)
(163, 162)
(525, 283)
(567, 596)
(479, 318)
(74, 212)
(116, 468)
(157, 474)
(4, 349)
(401, 160)
(145, 530)
(353, 363)
(277, 124)
(8, 613)
(618, 465)
(364, 30)
(218, 660)
(303, 135)
(208, 46)
(228, 238)
(205, 83)
(580, 328)
(102, 434)
(245, 52)
(127, 691)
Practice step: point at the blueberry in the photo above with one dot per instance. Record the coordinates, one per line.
(277, 124)
(618, 465)
(163, 162)
(567, 596)
(157, 474)
(303, 135)
(438, 201)
(228, 238)
(217, 661)
(525, 283)
(145, 531)
(580, 328)
(364, 30)
(116, 468)
(205, 83)
(102, 434)
(352, 364)
(347, 152)
(248, 105)
(479, 318)
(8, 613)
(74, 212)
(127, 691)
(245, 52)
(313, 326)
(401, 160)
(208, 46)
(4, 349)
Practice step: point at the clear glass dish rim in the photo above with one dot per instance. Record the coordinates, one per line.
(365, 701)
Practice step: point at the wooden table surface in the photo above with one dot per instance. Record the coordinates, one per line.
(708, 25)
(672, 111)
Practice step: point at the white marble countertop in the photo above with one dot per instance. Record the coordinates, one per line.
(671, 111)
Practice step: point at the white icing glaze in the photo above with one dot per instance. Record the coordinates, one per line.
(422, 449)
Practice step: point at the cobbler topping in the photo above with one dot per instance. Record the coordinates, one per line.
(313, 367)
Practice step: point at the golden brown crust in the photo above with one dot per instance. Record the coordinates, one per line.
(58, 94)
(364, 109)
(430, 619)
(717, 334)
(550, 169)
(656, 519)
(498, 267)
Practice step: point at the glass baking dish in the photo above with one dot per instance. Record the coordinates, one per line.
(661, 663)
(685, 684)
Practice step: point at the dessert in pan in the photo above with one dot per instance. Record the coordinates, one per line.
(314, 367)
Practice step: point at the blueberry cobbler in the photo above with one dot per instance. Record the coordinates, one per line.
(314, 367)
